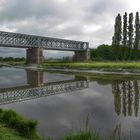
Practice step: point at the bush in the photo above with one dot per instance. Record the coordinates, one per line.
(25, 128)
(103, 52)
(108, 52)
(83, 135)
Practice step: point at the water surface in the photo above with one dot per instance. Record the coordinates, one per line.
(62, 103)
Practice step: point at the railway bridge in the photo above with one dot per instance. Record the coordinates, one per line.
(36, 44)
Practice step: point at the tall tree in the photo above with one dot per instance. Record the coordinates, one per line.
(130, 31)
(125, 31)
(137, 31)
(124, 51)
(117, 38)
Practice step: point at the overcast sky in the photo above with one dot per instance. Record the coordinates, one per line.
(85, 20)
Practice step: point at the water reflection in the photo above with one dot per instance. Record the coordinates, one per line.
(36, 88)
(34, 78)
(126, 97)
(101, 97)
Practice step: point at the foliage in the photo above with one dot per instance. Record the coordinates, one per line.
(117, 31)
(83, 135)
(127, 48)
(137, 30)
(7, 134)
(103, 52)
(125, 31)
(12, 59)
(97, 65)
(25, 128)
(130, 31)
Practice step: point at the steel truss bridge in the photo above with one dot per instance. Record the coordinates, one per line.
(17, 40)
(12, 95)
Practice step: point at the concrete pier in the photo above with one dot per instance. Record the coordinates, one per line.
(82, 55)
(34, 55)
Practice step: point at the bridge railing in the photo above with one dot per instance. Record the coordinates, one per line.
(8, 39)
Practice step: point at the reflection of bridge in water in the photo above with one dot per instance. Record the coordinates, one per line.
(37, 89)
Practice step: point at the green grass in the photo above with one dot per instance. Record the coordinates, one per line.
(83, 65)
(93, 65)
(83, 135)
(12, 63)
(21, 126)
(8, 134)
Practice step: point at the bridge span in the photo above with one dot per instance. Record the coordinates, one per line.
(35, 44)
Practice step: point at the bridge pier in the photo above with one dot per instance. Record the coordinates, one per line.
(82, 55)
(34, 55)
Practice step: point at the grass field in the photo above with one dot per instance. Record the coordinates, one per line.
(94, 65)
(8, 134)
(82, 65)
(15, 127)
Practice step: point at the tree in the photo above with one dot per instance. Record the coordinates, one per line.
(130, 31)
(137, 30)
(130, 37)
(125, 31)
(125, 35)
(102, 52)
(116, 40)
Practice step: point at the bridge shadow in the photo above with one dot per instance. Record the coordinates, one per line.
(36, 88)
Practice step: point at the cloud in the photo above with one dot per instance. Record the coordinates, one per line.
(89, 20)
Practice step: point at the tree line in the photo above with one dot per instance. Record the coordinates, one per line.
(125, 41)
(12, 59)
(126, 38)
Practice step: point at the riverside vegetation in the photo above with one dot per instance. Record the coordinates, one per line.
(15, 127)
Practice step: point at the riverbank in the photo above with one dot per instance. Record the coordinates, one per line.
(8, 134)
(93, 65)
(111, 68)
(15, 127)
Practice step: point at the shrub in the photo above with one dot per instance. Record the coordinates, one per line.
(83, 135)
(26, 128)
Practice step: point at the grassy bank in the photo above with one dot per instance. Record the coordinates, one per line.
(15, 126)
(12, 63)
(93, 65)
(81, 65)
(8, 134)
(83, 135)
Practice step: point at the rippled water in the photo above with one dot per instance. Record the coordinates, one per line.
(63, 102)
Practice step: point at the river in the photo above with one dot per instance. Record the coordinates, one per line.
(66, 102)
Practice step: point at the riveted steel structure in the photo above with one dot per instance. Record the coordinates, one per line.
(36, 44)
(18, 95)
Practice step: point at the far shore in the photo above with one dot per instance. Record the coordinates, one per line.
(123, 68)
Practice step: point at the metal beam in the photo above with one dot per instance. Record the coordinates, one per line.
(17, 40)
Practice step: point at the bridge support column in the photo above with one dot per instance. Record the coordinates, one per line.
(34, 55)
(82, 55)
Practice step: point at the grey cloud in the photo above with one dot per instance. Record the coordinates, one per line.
(14, 52)
(62, 20)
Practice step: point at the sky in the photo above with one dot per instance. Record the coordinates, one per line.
(85, 20)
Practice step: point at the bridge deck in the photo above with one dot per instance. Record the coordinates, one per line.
(17, 40)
